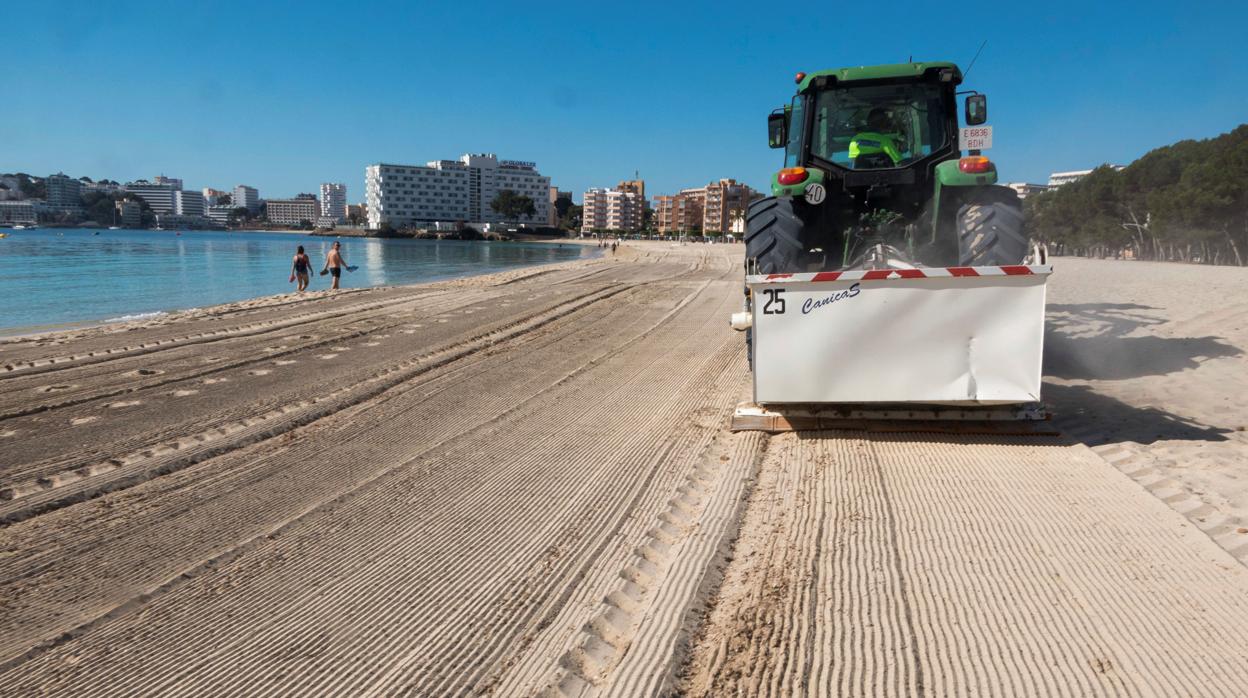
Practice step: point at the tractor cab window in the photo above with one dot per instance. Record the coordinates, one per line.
(878, 127)
(793, 149)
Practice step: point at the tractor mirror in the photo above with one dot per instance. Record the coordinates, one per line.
(976, 110)
(777, 129)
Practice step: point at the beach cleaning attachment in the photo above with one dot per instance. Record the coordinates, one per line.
(960, 343)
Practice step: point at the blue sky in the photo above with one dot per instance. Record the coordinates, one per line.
(284, 96)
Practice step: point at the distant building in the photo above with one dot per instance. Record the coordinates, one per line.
(1023, 189)
(213, 196)
(611, 209)
(636, 186)
(64, 193)
(708, 210)
(681, 213)
(293, 211)
(160, 197)
(451, 190)
(334, 201)
(103, 186)
(246, 197)
(1057, 179)
(724, 200)
(552, 215)
(188, 203)
(169, 182)
(172, 221)
(357, 212)
(18, 213)
(129, 213)
(219, 214)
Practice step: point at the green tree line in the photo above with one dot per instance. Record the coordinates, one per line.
(1183, 202)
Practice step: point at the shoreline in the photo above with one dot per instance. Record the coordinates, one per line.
(159, 317)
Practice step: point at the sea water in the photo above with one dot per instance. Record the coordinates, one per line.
(53, 278)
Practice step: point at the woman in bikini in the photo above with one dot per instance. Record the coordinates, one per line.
(301, 268)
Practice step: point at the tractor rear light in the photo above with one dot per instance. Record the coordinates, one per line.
(975, 164)
(792, 175)
(799, 78)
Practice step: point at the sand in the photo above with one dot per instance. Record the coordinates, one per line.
(522, 484)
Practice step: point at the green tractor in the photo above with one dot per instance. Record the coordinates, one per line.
(874, 178)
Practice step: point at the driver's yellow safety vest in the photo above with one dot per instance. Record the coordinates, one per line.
(872, 143)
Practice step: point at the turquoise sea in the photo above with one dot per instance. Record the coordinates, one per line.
(54, 278)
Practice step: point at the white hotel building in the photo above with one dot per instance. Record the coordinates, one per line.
(334, 201)
(451, 190)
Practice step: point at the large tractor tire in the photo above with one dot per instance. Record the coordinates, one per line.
(774, 237)
(990, 229)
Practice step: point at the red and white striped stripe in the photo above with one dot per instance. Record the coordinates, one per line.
(891, 274)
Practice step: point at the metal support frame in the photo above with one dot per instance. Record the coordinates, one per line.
(1026, 419)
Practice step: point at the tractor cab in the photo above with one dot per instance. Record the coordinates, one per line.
(873, 170)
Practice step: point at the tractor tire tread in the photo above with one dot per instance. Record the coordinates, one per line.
(991, 230)
(773, 238)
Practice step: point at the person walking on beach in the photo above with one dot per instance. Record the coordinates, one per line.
(301, 268)
(334, 263)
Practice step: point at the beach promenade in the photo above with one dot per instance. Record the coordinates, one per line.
(523, 484)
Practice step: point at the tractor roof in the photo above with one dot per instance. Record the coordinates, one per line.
(881, 72)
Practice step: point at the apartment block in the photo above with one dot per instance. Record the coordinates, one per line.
(334, 201)
(724, 201)
(188, 203)
(611, 209)
(104, 186)
(681, 213)
(246, 197)
(1057, 179)
(293, 211)
(451, 190)
(160, 197)
(129, 213)
(636, 186)
(18, 212)
(64, 193)
(709, 210)
(219, 213)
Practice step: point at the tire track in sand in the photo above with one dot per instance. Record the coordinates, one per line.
(44, 492)
(982, 567)
(633, 362)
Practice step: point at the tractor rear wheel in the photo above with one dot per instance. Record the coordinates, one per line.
(773, 237)
(990, 229)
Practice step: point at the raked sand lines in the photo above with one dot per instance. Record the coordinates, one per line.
(899, 566)
(522, 485)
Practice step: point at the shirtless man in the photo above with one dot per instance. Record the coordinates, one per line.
(334, 263)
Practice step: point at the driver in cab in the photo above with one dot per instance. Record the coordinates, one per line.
(875, 148)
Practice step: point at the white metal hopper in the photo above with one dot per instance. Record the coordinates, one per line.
(967, 336)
